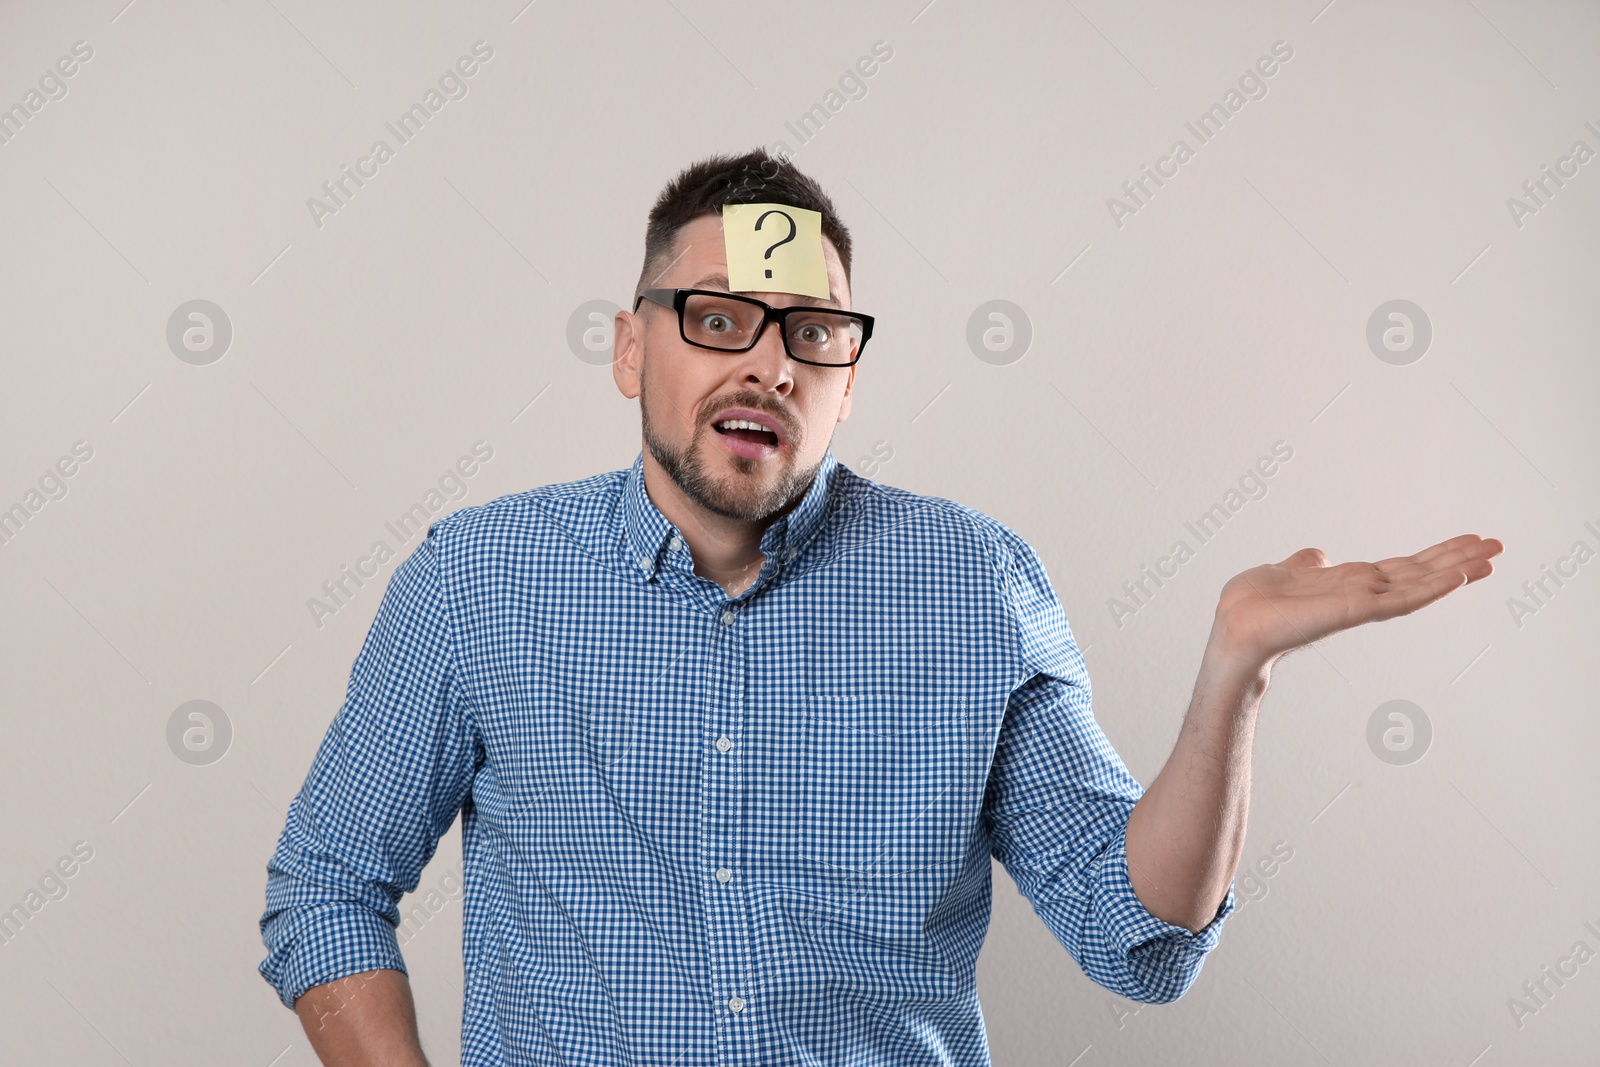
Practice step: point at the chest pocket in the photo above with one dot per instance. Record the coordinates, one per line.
(887, 783)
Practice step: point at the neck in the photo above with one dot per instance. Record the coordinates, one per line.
(726, 550)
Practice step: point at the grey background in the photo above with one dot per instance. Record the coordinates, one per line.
(1168, 354)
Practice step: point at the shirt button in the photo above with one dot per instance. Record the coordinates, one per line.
(791, 554)
(676, 543)
(644, 564)
(736, 1004)
(723, 875)
(727, 616)
(723, 744)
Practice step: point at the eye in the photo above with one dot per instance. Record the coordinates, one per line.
(812, 333)
(717, 323)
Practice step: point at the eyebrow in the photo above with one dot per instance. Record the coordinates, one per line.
(716, 279)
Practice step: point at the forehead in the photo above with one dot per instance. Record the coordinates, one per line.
(700, 254)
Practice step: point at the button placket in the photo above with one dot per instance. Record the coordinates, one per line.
(722, 806)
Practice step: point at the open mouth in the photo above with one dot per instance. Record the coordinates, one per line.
(747, 433)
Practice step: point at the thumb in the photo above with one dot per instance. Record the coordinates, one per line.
(1307, 557)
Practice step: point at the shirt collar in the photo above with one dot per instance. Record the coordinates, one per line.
(647, 531)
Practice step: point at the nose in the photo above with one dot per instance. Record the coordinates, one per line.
(767, 364)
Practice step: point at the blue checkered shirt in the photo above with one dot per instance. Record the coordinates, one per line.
(702, 830)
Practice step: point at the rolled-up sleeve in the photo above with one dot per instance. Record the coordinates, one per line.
(386, 783)
(1057, 807)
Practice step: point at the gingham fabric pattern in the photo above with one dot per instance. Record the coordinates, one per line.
(701, 830)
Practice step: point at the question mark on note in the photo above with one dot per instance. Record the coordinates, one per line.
(777, 244)
(752, 233)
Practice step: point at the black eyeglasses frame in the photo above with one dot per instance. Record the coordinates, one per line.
(677, 298)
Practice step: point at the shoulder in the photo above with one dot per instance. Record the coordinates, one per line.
(867, 510)
(939, 544)
(949, 535)
(575, 510)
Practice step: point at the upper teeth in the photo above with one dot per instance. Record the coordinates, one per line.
(741, 424)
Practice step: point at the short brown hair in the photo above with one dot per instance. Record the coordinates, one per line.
(755, 177)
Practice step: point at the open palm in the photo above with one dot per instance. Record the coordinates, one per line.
(1276, 607)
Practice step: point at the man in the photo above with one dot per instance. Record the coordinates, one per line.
(734, 733)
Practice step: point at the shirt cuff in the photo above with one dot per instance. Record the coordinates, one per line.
(322, 943)
(1151, 945)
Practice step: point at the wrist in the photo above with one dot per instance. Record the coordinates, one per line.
(1229, 656)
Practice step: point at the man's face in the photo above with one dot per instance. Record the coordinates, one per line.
(684, 390)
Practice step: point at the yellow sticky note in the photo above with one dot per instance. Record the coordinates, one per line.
(774, 248)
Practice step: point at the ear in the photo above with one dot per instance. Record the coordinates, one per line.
(627, 352)
(849, 388)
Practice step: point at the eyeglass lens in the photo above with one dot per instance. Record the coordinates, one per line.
(819, 334)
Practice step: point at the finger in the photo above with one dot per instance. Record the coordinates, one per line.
(1475, 556)
(1427, 555)
(1306, 557)
(1413, 577)
(1406, 598)
(1491, 547)
(1455, 552)
(1463, 542)
(1474, 568)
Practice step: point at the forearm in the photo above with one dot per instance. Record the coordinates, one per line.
(364, 1020)
(1186, 834)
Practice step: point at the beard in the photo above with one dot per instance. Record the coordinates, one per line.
(745, 495)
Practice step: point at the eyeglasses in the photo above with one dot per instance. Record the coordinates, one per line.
(712, 318)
